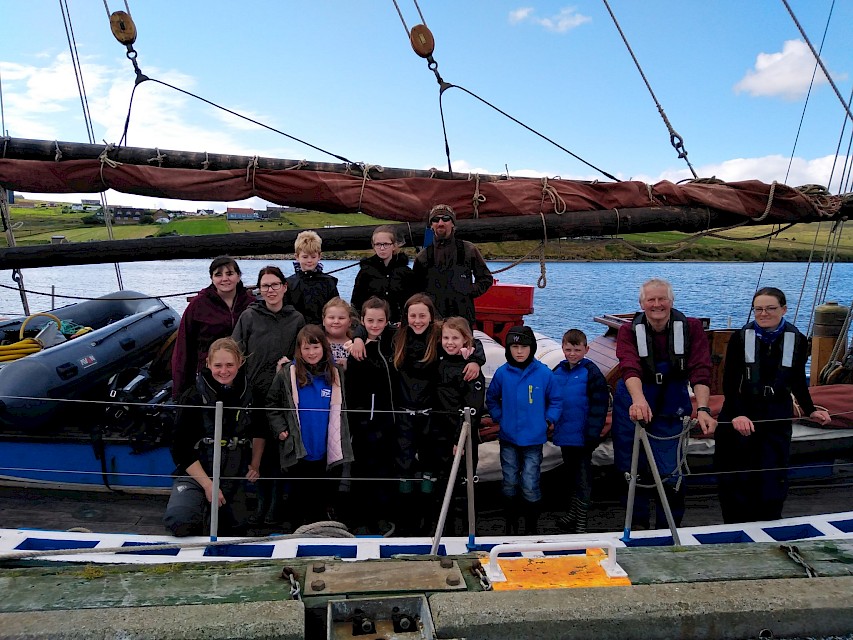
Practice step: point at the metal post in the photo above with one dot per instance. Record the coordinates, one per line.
(632, 484)
(217, 463)
(640, 436)
(659, 484)
(469, 478)
(448, 492)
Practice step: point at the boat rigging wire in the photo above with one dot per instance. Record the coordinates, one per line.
(808, 96)
(141, 77)
(818, 59)
(422, 43)
(674, 138)
(87, 115)
(3, 131)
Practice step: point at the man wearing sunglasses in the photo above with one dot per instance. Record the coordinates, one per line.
(451, 271)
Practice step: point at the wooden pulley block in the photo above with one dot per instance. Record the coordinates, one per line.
(123, 27)
(422, 41)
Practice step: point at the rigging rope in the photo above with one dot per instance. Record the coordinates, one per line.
(675, 139)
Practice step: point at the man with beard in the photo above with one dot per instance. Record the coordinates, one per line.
(451, 271)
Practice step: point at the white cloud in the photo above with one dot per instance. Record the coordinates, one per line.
(786, 74)
(568, 18)
(519, 15)
(766, 168)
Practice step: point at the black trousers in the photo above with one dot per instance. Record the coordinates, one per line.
(753, 471)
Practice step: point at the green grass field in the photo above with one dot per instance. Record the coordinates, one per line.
(37, 225)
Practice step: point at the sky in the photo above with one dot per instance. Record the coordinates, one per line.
(731, 75)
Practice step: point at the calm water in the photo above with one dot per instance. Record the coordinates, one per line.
(575, 292)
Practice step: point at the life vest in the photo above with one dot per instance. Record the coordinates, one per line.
(678, 346)
(752, 374)
(235, 441)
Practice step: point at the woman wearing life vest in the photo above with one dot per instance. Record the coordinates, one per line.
(765, 364)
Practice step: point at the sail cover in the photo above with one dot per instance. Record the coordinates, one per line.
(408, 199)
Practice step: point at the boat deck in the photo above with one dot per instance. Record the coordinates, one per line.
(110, 512)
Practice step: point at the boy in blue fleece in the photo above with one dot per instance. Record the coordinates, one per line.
(523, 397)
(586, 398)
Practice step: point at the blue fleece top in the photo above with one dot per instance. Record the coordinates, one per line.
(523, 401)
(586, 398)
(315, 399)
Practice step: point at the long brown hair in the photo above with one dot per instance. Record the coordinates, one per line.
(401, 337)
(313, 334)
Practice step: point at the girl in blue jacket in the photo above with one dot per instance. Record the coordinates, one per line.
(524, 398)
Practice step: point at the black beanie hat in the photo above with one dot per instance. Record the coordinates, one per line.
(520, 335)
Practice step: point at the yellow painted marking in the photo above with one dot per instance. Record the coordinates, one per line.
(556, 572)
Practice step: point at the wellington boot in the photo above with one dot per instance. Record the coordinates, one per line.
(511, 512)
(580, 509)
(531, 518)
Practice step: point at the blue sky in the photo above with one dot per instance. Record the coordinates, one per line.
(731, 75)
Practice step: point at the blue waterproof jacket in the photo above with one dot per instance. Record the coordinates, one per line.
(586, 399)
(522, 401)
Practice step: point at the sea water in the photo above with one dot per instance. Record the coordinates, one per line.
(574, 292)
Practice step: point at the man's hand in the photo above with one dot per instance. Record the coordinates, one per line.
(283, 435)
(253, 474)
(640, 411)
(706, 422)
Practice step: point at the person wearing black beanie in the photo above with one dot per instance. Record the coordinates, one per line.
(524, 398)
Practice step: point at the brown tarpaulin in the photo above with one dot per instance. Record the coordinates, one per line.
(400, 199)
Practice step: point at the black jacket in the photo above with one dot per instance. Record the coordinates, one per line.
(393, 283)
(371, 384)
(454, 284)
(309, 291)
(195, 419)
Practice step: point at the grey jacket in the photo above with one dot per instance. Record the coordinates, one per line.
(265, 337)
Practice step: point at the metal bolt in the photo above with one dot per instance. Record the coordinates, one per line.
(318, 567)
(318, 585)
(452, 581)
(446, 563)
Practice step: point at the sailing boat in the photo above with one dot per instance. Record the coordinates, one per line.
(489, 205)
(323, 576)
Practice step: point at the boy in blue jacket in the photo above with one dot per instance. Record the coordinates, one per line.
(586, 398)
(523, 397)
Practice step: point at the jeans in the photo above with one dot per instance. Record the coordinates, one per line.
(521, 465)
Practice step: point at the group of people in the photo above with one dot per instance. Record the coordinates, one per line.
(319, 389)
(662, 354)
(408, 352)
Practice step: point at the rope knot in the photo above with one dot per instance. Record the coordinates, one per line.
(158, 158)
(556, 199)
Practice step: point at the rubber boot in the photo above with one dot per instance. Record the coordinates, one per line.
(407, 512)
(263, 491)
(568, 522)
(581, 510)
(511, 516)
(531, 518)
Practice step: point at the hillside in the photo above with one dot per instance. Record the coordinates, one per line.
(36, 225)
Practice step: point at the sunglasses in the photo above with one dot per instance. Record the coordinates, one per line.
(444, 218)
